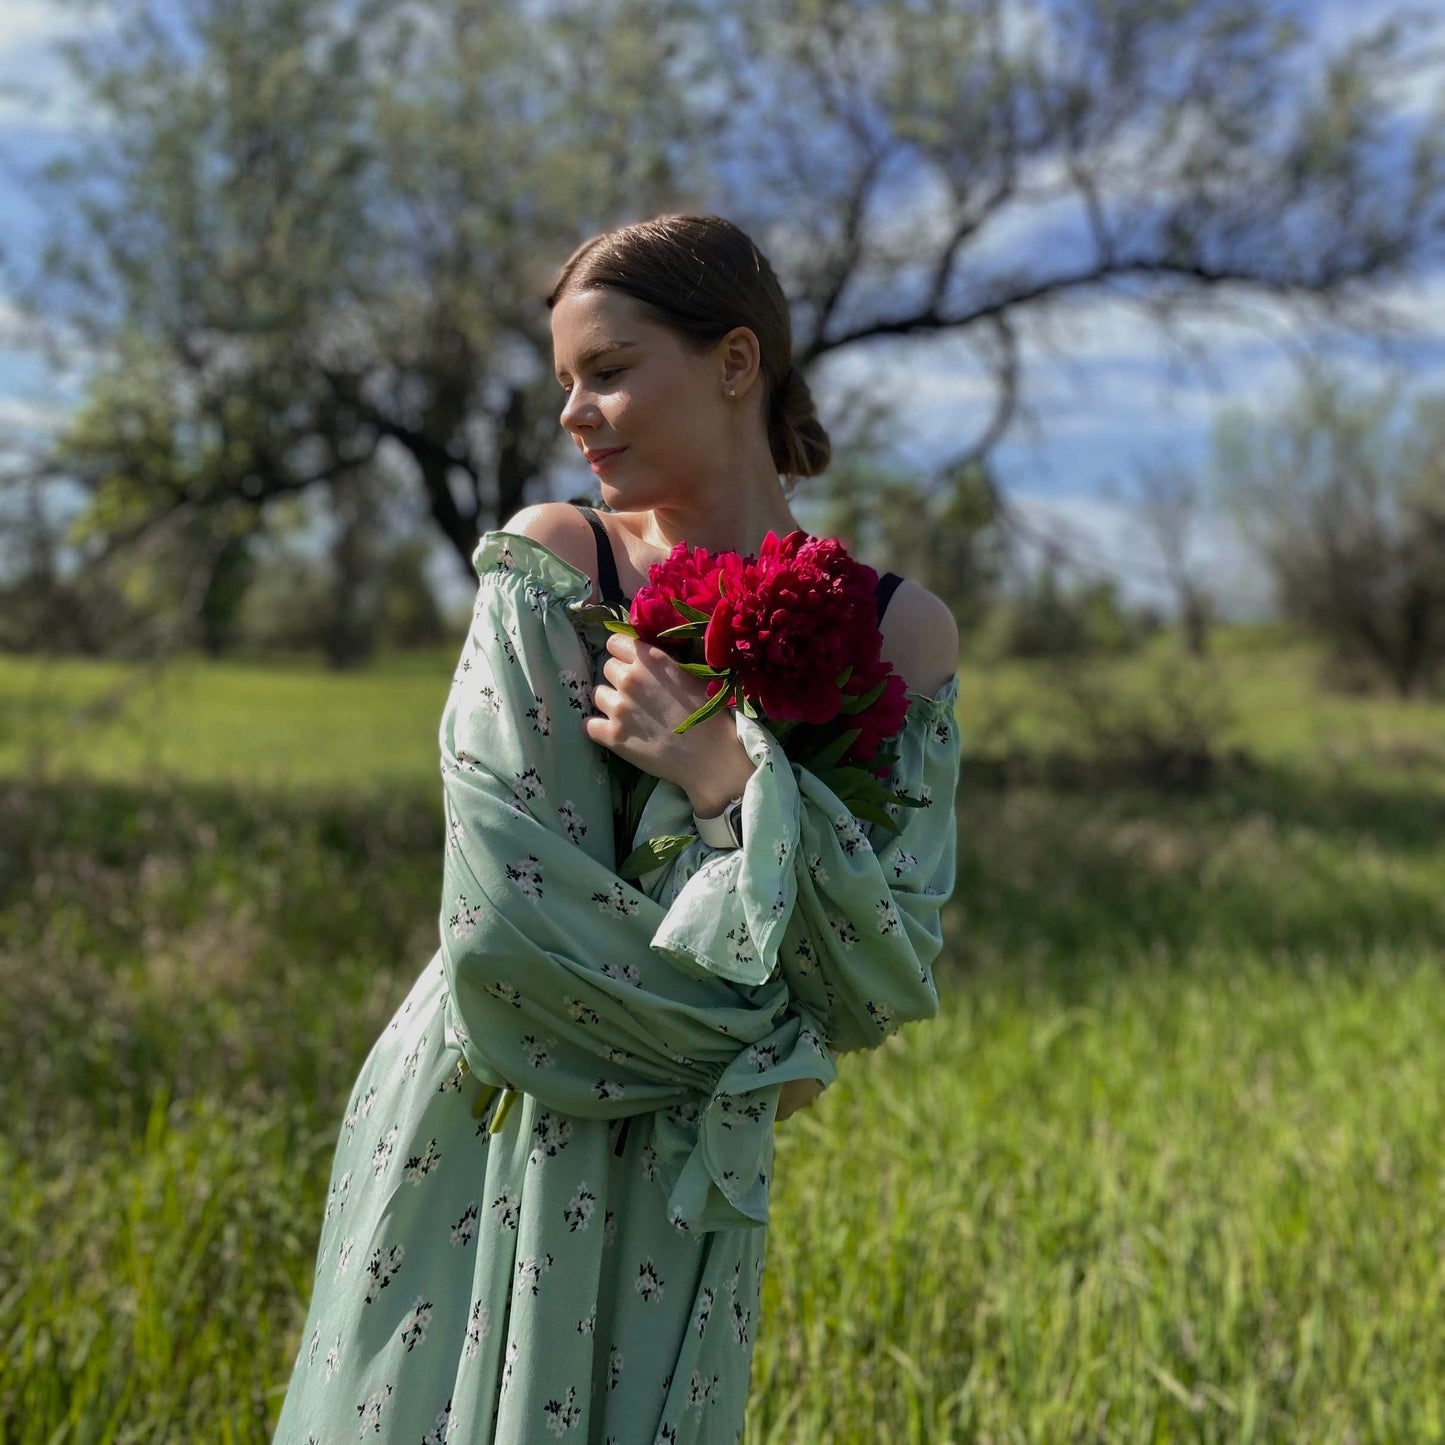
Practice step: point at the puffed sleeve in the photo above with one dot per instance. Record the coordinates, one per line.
(553, 986)
(848, 914)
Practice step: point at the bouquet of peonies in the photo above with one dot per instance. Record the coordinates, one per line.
(791, 637)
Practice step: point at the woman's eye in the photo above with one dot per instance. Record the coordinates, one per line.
(610, 371)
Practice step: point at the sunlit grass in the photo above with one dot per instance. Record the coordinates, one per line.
(1167, 1167)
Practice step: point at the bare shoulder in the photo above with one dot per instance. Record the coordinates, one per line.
(561, 528)
(920, 638)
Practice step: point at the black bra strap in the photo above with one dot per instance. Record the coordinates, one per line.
(607, 582)
(887, 585)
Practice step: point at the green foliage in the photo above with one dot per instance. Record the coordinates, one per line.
(1166, 1167)
(1342, 493)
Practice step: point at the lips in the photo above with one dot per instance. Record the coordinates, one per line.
(604, 453)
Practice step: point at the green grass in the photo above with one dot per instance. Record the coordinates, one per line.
(1167, 1168)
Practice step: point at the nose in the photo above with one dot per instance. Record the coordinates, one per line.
(577, 411)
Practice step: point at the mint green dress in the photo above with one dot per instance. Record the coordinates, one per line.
(547, 1210)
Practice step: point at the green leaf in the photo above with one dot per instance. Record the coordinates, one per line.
(701, 669)
(654, 853)
(845, 675)
(748, 709)
(872, 813)
(716, 703)
(693, 614)
(828, 755)
(864, 699)
(626, 628)
(683, 629)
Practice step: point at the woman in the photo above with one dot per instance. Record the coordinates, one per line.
(548, 1205)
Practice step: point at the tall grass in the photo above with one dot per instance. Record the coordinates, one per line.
(1167, 1167)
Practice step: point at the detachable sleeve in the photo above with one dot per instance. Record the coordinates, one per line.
(555, 984)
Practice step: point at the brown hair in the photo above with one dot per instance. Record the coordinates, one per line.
(701, 276)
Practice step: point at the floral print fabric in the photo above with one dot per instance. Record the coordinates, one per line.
(590, 1271)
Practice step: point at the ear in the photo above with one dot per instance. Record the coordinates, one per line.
(740, 360)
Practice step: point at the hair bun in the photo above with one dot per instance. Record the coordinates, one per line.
(799, 444)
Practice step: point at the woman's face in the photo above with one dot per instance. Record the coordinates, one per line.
(630, 383)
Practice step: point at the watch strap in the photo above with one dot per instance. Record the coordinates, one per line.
(725, 830)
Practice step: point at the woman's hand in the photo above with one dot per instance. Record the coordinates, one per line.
(648, 696)
(796, 1094)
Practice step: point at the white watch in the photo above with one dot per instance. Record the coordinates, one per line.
(725, 830)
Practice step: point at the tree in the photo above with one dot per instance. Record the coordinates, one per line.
(328, 228)
(1343, 496)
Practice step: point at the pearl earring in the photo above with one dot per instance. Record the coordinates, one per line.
(731, 392)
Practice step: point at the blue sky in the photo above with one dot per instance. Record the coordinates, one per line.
(1106, 393)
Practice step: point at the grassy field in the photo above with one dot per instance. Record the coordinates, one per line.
(1167, 1168)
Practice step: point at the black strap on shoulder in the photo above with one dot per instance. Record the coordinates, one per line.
(607, 581)
(887, 585)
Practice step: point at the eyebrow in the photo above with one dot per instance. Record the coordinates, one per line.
(601, 350)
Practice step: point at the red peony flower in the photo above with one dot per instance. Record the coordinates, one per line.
(690, 574)
(788, 625)
(883, 718)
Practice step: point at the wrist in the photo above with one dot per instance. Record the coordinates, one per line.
(724, 773)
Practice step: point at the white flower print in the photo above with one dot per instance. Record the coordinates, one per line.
(816, 871)
(578, 690)
(780, 851)
(578, 1213)
(382, 1269)
(528, 784)
(552, 1133)
(572, 822)
(851, 836)
(779, 906)
(609, 1228)
(441, 1431)
(336, 1197)
(333, 1359)
(530, 1272)
(368, 1103)
(925, 792)
(486, 702)
(904, 862)
(703, 1310)
(506, 1210)
(614, 1367)
(743, 950)
(941, 731)
(888, 921)
(453, 1081)
(616, 901)
(514, 1350)
(466, 1226)
(349, 1122)
(479, 1326)
(607, 1089)
(370, 1412)
(702, 1391)
(666, 1435)
(507, 992)
(343, 1255)
(649, 1284)
(455, 834)
(676, 1220)
(464, 916)
(381, 1155)
(414, 1327)
(506, 560)
(537, 597)
(563, 1415)
(804, 958)
(540, 718)
(409, 1063)
(881, 1014)
(581, 1011)
(617, 1054)
(649, 1163)
(762, 1056)
(526, 873)
(420, 1165)
(843, 931)
(504, 641)
(741, 1320)
(624, 972)
(315, 1345)
(537, 1051)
